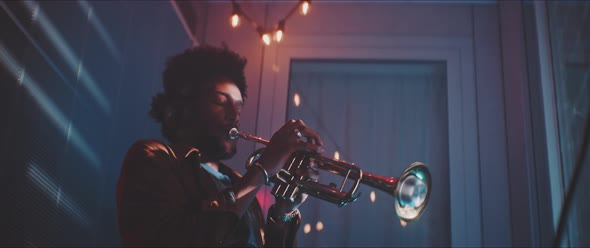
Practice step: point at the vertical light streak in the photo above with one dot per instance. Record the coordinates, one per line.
(53, 191)
(97, 24)
(48, 107)
(67, 53)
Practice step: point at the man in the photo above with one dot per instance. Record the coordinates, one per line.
(182, 194)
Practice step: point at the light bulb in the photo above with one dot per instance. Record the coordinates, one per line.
(279, 35)
(307, 228)
(373, 196)
(266, 39)
(304, 7)
(235, 20)
(336, 155)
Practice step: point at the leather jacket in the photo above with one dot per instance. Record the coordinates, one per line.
(165, 198)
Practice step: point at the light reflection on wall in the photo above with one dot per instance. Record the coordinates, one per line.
(48, 106)
(65, 50)
(37, 47)
(97, 24)
(54, 191)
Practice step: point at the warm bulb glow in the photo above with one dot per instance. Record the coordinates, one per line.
(235, 20)
(266, 39)
(336, 155)
(403, 223)
(319, 226)
(279, 35)
(296, 99)
(305, 7)
(373, 196)
(307, 228)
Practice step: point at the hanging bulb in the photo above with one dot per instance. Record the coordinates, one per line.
(266, 39)
(235, 15)
(280, 31)
(305, 7)
(279, 35)
(235, 20)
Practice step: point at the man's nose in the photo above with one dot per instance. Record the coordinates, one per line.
(233, 114)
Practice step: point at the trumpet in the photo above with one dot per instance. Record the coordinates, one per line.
(411, 191)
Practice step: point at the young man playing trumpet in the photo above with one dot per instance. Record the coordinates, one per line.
(182, 194)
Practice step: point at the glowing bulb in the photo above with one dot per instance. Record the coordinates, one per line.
(403, 223)
(336, 155)
(235, 20)
(266, 39)
(307, 228)
(372, 196)
(319, 226)
(305, 7)
(279, 35)
(296, 99)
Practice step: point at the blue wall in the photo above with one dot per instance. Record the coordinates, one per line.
(77, 82)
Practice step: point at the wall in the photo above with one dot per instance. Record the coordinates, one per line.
(77, 82)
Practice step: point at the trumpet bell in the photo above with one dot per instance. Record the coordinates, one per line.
(412, 192)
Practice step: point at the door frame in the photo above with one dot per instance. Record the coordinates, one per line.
(456, 52)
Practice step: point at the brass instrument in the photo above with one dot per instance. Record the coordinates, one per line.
(411, 191)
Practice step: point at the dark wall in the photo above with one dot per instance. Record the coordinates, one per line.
(76, 84)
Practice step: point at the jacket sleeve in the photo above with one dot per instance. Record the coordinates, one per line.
(153, 209)
(281, 234)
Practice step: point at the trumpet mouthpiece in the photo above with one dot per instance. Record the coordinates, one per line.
(233, 133)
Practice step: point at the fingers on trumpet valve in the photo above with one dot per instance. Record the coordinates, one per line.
(301, 130)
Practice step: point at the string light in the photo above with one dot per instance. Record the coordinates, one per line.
(235, 20)
(307, 228)
(305, 7)
(336, 155)
(235, 16)
(278, 32)
(266, 39)
(373, 196)
(279, 35)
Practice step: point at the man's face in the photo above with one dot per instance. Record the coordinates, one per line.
(207, 127)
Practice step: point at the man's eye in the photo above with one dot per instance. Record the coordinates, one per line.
(219, 101)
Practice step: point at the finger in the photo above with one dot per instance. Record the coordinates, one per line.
(289, 126)
(305, 146)
(311, 135)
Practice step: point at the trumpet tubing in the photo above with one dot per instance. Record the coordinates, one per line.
(411, 190)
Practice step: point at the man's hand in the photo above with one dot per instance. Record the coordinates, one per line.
(287, 140)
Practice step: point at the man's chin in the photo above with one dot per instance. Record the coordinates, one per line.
(229, 153)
